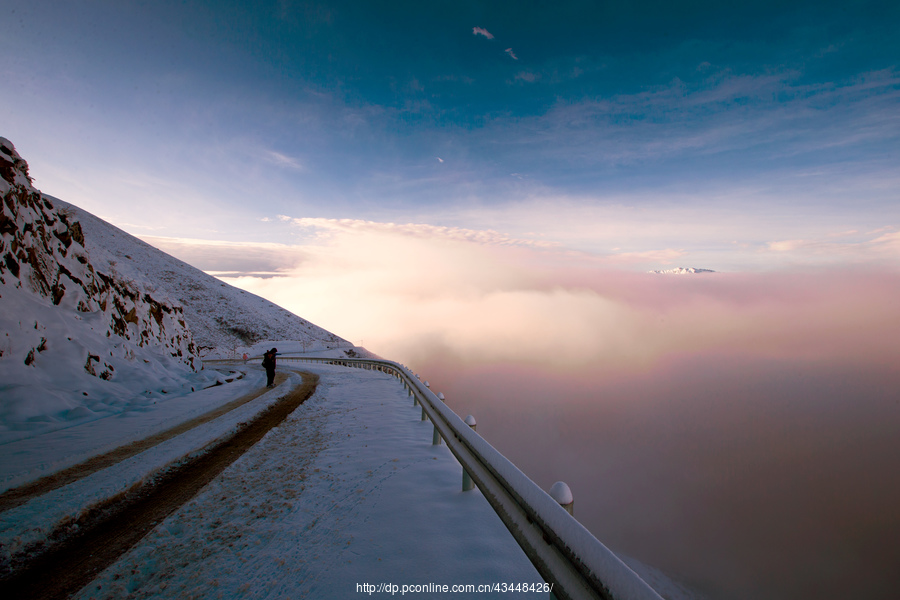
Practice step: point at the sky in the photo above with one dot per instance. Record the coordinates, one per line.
(266, 139)
(478, 189)
(730, 136)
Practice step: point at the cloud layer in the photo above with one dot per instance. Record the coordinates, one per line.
(481, 295)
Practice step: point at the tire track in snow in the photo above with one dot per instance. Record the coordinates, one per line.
(22, 494)
(109, 531)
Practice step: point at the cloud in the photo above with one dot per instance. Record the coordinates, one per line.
(410, 290)
(439, 159)
(482, 31)
(666, 257)
(511, 53)
(884, 247)
(416, 230)
(254, 259)
(527, 76)
(771, 116)
(283, 160)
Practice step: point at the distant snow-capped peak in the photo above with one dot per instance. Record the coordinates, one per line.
(682, 271)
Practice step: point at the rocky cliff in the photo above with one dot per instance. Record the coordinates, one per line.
(64, 312)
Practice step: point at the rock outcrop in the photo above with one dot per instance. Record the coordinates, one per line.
(44, 265)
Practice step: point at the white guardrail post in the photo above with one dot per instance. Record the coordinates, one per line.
(467, 483)
(560, 548)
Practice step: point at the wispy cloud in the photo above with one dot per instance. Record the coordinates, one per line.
(774, 121)
(482, 31)
(416, 230)
(664, 257)
(883, 247)
(511, 53)
(282, 160)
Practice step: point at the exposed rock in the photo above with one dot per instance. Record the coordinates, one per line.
(43, 253)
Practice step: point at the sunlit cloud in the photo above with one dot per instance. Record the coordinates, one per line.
(252, 259)
(482, 31)
(415, 290)
(666, 256)
(417, 230)
(883, 247)
(512, 54)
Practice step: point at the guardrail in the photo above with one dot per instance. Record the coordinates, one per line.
(561, 549)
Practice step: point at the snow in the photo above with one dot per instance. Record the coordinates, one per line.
(96, 323)
(225, 321)
(81, 339)
(55, 391)
(32, 456)
(580, 543)
(560, 492)
(349, 490)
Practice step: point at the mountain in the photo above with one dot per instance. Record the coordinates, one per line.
(224, 320)
(95, 322)
(682, 271)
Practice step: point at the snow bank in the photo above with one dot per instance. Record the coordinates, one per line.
(32, 523)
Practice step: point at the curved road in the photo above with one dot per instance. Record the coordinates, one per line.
(108, 531)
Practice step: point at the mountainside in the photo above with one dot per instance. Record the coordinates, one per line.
(225, 321)
(95, 322)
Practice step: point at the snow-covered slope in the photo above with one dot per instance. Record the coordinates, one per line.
(95, 322)
(682, 271)
(225, 321)
(77, 335)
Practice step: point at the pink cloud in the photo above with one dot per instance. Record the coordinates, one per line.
(482, 31)
(483, 295)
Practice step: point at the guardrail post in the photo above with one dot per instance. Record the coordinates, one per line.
(435, 437)
(467, 483)
(560, 492)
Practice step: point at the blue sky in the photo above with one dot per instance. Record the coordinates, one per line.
(484, 183)
(603, 127)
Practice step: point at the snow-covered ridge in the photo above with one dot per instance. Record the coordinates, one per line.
(225, 321)
(682, 271)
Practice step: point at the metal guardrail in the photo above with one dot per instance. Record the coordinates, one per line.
(561, 549)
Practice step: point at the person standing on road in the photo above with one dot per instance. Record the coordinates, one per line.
(269, 363)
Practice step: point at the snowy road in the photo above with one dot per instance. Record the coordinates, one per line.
(45, 452)
(347, 491)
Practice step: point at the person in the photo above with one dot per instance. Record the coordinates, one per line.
(269, 363)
